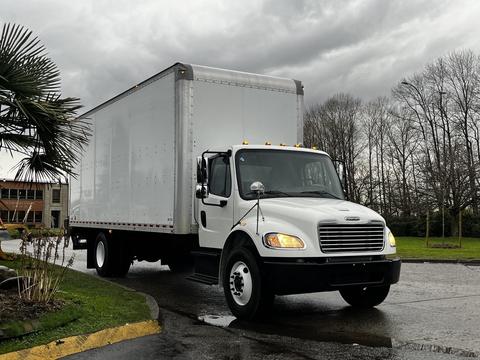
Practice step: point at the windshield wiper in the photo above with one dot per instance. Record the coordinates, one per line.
(321, 192)
(272, 192)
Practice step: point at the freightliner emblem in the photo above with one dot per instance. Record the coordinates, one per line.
(352, 218)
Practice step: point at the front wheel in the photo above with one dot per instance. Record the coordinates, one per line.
(247, 295)
(365, 297)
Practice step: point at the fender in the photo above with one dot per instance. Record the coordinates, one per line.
(239, 236)
(275, 224)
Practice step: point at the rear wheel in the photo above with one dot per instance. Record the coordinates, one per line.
(365, 297)
(111, 258)
(247, 294)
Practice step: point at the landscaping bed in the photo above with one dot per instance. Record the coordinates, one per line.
(84, 304)
(13, 308)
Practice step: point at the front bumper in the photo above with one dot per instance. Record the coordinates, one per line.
(297, 276)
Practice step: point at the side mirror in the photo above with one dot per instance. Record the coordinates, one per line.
(201, 170)
(257, 188)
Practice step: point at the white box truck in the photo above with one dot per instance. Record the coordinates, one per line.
(207, 163)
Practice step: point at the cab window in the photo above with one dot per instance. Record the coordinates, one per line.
(220, 178)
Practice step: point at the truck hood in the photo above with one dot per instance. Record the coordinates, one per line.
(318, 210)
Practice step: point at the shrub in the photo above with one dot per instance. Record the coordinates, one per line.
(39, 273)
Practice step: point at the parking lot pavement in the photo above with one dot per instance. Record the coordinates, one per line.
(433, 311)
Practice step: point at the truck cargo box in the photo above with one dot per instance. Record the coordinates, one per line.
(138, 171)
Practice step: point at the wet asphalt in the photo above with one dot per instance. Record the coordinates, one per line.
(433, 313)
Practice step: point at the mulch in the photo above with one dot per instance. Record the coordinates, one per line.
(12, 308)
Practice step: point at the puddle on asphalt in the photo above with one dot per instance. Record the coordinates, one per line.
(300, 332)
(222, 321)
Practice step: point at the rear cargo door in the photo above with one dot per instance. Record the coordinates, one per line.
(216, 211)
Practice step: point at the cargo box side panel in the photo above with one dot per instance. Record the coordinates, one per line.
(133, 161)
(152, 154)
(82, 184)
(224, 115)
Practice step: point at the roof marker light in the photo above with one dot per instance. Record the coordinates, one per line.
(298, 145)
(268, 143)
(245, 142)
(282, 144)
(314, 148)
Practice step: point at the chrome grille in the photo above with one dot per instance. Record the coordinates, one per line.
(336, 238)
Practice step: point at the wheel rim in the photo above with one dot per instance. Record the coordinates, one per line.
(100, 254)
(240, 283)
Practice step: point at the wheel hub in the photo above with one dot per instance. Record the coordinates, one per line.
(240, 283)
(100, 253)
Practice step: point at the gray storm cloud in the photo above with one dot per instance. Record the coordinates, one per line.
(361, 47)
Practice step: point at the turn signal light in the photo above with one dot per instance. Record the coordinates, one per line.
(391, 239)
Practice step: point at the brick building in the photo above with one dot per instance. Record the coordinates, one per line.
(36, 204)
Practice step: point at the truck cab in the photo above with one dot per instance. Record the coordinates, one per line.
(273, 220)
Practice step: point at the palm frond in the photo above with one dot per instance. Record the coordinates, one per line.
(34, 119)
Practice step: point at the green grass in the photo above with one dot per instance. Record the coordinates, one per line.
(102, 304)
(415, 247)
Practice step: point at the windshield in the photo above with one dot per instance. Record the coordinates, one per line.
(287, 173)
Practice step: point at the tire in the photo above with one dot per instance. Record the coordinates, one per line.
(110, 257)
(246, 292)
(365, 297)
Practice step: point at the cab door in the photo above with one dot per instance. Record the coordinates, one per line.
(216, 210)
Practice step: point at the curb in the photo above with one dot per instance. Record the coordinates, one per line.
(474, 262)
(75, 344)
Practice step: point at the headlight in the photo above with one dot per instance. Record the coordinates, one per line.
(391, 239)
(283, 241)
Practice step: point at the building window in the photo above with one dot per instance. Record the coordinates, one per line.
(4, 215)
(30, 217)
(55, 219)
(13, 194)
(55, 195)
(38, 216)
(13, 216)
(39, 195)
(4, 193)
(22, 194)
(30, 194)
(21, 216)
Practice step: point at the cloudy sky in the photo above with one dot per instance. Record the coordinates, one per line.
(362, 47)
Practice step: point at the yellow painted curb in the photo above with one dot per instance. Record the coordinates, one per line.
(79, 343)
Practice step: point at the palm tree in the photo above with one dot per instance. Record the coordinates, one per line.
(35, 121)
